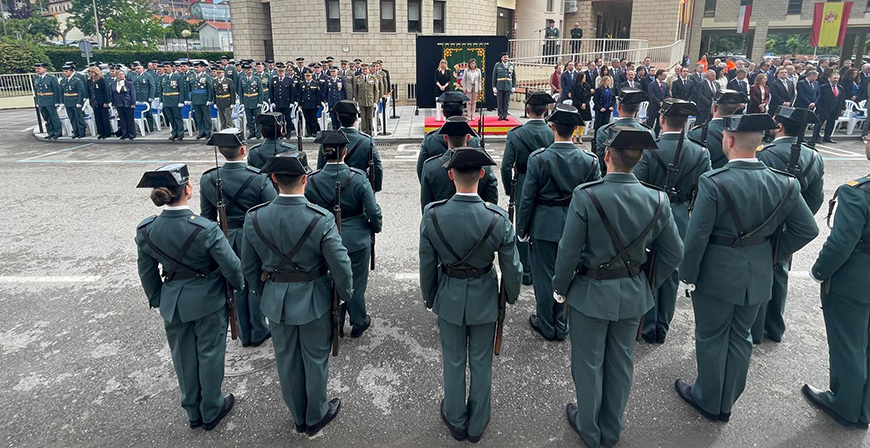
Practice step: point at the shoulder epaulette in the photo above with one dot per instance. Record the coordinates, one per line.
(434, 204)
(288, 145)
(258, 206)
(202, 222)
(784, 173)
(252, 169)
(318, 209)
(697, 142)
(146, 221)
(651, 186)
(428, 133)
(858, 182)
(712, 173)
(314, 172)
(537, 152)
(357, 171)
(255, 147)
(644, 125)
(496, 209)
(432, 158)
(589, 184)
(209, 170)
(696, 127)
(769, 145)
(366, 135)
(514, 128)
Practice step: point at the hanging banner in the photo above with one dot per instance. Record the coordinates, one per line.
(743, 19)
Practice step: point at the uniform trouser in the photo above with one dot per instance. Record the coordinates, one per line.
(173, 117)
(251, 119)
(101, 120)
(311, 124)
(723, 347)
(252, 323)
(202, 113)
(602, 366)
(771, 314)
(366, 119)
(149, 121)
(225, 117)
(847, 323)
(550, 313)
(661, 314)
(525, 249)
(288, 122)
(503, 100)
(356, 306)
(829, 123)
(198, 348)
(471, 344)
(126, 125)
(76, 120)
(302, 357)
(52, 121)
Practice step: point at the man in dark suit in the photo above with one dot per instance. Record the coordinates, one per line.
(283, 93)
(781, 91)
(630, 82)
(739, 83)
(808, 91)
(567, 81)
(764, 67)
(832, 103)
(617, 72)
(682, 85)
(657, 91)
(703, 94)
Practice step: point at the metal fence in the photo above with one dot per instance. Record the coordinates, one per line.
(548, 52)
(19, 84)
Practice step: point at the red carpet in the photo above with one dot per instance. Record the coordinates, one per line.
(493, 126)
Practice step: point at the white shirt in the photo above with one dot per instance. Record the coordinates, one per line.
(466, 194)
(236, 161)
(780, 138)
(748, 159)
(176, 207)
(536, 119)
(119, 86)
(284, 195)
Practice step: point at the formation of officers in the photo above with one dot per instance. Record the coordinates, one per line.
(605, 239)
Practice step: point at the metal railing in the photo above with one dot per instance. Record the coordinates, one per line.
(19, 84)
(544, 52)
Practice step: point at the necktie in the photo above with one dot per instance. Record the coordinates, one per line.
(835, 90)
(661, 87)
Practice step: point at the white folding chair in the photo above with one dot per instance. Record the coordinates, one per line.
(641, 112)
(854, 114)
(64, 121)
(157, 113)
(139, 116)
(187, 118)
(90, 122)
(690, 122)
(215, 122)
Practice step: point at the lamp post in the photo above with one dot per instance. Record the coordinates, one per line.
(186, 35)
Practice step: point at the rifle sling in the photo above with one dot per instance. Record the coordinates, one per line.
(801, 175)
(353, 149)
(474, 250)
(232, 199)
(174, 262)
(288, 257)
(622, 251)
(563, 198)
(744, 238)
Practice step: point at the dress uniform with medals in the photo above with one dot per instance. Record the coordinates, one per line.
(599, 275)
(336, 91)
(265, 76)
(145, 89)
(201, 94)
(552, 175)
(521, 142)
(653, 169)
(435, 185)
(230, 71)
(729, 259)
(170, 96)
(48, 98)
(292, 257)
(360, 215)
(810, 176)
(283, 96)
(367, 96)
(243, 188)
(224, 98)
(309, 94)
(725, 104)
(504, 82)
(434, 144)
(74, 96)
(459, 237)
(627, 97)
(270, 124)
(251, 91)
(362, 152)
(197, 261)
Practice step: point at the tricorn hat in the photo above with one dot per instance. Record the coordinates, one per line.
(346, 107)
(453, 96)
(293, 163)
(565, 114)
(748, 123)
(679, 108)
(467, 157)
(539, 98)
(229, 137)
(622, 137)
(456, 126)
(170, 176)
(797, 114)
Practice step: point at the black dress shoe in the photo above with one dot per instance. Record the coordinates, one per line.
(527, 280)
(660, 335)
(536, 325)
(180, 138)
(571, 416)
(828, 140)
(649, 338)
(475, 439)
(172, 139)
(774, 338)
(301, 428)
(199, 137)
(195, 424)
(229, 401)
(334, 407)
(260, 342)
(724, 417)
(457, 433)
(817, 399)
(359, 330)
(684, 390)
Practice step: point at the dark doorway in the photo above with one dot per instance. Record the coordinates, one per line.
(505, 23)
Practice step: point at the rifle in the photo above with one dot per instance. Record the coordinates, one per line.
(794, 169)
(649, 268)
(372, 183)
(674, 168)
(222, 220)
(481, 129)
(511, 200)
(336, 306)
(298, 129)
(499, 326)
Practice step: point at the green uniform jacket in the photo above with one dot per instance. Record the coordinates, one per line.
(504, 76)
(193, 298)
(653, 169)
(758, 190)
(522, 141)
(261, 152)
(266, 82)
(360, 149)
(463, 221)
(144, 86)
(48, 93)
(553, 174)
(812, 168)
(234, 175)
(231, 73)
(250, 91)
(435, 185)
(74, 92)
(283, 222)
(360, 213)
(224, 92)
(435, 145)
(170, 90)
(630, 206)
(840, 265)
(713, 141)
(202, 89)
(185, 84)
(603, 133)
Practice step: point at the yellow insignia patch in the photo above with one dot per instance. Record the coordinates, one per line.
(192, 218)
(852, 183)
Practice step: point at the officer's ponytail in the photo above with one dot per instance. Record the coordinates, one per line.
(332, 153)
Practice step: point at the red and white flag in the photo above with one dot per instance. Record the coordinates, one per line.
(743, 19)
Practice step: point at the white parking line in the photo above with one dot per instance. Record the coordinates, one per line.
(56, 152)
(49, 279)
(836, 151)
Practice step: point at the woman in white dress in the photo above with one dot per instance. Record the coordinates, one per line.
(472, 86)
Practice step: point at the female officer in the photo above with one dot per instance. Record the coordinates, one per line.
(195, 258)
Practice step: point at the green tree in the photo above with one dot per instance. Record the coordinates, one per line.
(16, 57)
(19, 9)
(179, 25)
(735, 43)
(34, 29)
(123, 23)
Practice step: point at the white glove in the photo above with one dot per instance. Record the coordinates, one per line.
(187, 103)
(78, 106)
(524, 239)
(494, 91)
(814, 278)
(513, 89)
(208, 103)
(558, 298)
(273, 105)
(689, 287)
(259, 104)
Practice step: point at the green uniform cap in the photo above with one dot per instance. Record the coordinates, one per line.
(748, 123)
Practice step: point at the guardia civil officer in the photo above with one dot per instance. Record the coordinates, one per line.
(810, 175)
(629, 103)
(201, 94)
(74, 96)
(725, 104)
(841, 268)
(459, 237)
(251, 95)
(270, 125)
(521, 142)
(435, 183)
(224, 98)
(730, 256)
(335, 91)
(362, 152)
(435, 143)
(48, 99)
(504, 82)
(184, 260)
(654, 169)
(552, 175)
(309, 94)
(170, 96)
(600, 273)
(291, 257)
(283, 96)
(243, 187)
(360, 215)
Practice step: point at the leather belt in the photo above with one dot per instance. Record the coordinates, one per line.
(564, 202)
(738, 242)
(186, 275)
(252, 94)
(70, 94)
(198, 91)
(609, 274)
(169, 93)
(295, 277)
(222, 96)
(235, 224)
(465, 273)
(45, 93)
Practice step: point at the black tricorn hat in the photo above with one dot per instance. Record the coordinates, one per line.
(632, 96)
(679, 108)
(331, 138)
(467, 157)
(797, 114)
(456, 126)
(539, 98)
(230, 137)
(270, 118)
(170, 176)
(346, 107)
(748, 123)
(565, 114)
(453, 96)
(728, 96)
(622, 137)
(293, 163)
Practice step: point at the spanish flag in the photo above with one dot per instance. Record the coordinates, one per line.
(829, 24)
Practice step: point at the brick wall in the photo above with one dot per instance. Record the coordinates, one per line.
(656, 21)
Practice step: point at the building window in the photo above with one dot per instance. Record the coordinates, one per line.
(549, 5)
(333, 16)
(794, 6)
(415, 25)
(388, 16)
(709, 8)
(360, 15)
(867, 8)
(438, 19)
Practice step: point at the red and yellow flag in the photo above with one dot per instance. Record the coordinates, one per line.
(829, 24)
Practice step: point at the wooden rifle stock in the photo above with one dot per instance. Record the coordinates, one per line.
(372, 183)
(336, 305)
(499, 326)
(222, 220)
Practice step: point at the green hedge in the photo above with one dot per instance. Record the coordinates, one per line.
(19, 58)
(58, 56)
